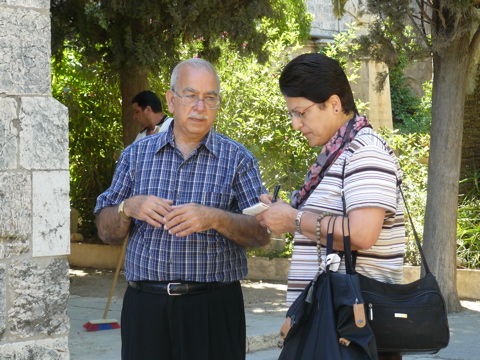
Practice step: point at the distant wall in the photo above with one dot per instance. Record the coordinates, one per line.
(325, 26)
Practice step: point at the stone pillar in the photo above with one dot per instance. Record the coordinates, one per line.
(34, 190)
(379, 103)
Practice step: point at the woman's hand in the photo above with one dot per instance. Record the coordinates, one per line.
(279, 218)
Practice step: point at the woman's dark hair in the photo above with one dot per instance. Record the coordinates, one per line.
(316, 77)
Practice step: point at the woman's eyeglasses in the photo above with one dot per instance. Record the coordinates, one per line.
(299, 114)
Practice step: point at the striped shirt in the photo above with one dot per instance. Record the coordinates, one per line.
(219, 173)
(372, 174)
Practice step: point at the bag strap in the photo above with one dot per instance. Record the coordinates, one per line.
(353, 255)
(350, 257)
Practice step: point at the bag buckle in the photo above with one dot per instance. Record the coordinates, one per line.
(168, 289)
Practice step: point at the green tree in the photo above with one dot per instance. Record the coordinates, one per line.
(138, 39)
(252, 107)
(449, 31)
(95, 130)
(253, 110)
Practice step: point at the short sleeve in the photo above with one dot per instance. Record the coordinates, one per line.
(371, 180)
(121, 187)
(248, 183)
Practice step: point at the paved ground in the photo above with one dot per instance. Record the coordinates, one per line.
(264, 307)
(265, 311)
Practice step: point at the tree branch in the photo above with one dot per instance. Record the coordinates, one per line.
(420, 29)
(423, 12)
(474, 47)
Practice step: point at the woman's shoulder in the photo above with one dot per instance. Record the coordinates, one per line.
(368, 136)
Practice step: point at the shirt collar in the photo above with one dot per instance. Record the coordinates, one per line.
(210, 141)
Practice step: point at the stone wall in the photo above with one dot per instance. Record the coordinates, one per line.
(34, 190)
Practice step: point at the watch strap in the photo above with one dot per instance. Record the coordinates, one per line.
(121, 213)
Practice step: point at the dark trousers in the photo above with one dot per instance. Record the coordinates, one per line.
(207, 326)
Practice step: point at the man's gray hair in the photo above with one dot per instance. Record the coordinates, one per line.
(196, 63)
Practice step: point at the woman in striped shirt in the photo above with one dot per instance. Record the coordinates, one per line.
(321, 106)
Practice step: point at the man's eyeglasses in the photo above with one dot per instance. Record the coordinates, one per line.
(299, 114)
(191, 99)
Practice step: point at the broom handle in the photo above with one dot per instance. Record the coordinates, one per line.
(117, 270)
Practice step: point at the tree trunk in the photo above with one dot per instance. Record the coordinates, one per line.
(132, 81)
(448, 99)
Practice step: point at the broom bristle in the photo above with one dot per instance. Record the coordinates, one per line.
(101, 324)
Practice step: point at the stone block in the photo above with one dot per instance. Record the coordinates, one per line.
(44, 135)
(264, 268)
(8, 134)
(51, 349)
(3, 300)
(38, 303)
(15, 213)
(51, 213)
(74, 215)
(24, 49)
(38, 4)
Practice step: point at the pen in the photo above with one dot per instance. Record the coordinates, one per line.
(275, 193)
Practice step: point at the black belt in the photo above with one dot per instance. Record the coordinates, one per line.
(176, 288)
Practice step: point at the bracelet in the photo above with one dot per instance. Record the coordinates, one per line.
(318, 227)
(297, 221)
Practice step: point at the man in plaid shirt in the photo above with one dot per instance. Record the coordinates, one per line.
(179, 194)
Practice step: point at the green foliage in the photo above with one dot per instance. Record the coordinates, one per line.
(468, 225)
(412, 152)
(411, 114)
(286, 252)
(148, 33)
(90, 88)
(93, 102)
(253, 111)
(344, 50)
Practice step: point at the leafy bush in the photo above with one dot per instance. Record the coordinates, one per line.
(468, 225)
(93, 102)
(412, 151)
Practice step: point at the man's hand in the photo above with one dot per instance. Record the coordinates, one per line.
(112, 228)
(148, 208)
(187, 219)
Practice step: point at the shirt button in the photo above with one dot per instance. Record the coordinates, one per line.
(170, 261)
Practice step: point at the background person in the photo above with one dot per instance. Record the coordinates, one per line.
(148, 112)
(180, 194)
(321, 105)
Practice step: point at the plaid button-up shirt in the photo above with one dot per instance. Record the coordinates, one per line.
(219, 173)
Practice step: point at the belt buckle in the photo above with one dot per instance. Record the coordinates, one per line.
(168, 289)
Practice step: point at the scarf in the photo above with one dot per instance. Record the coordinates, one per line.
(330, 152)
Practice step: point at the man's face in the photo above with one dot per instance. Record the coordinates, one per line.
(140, 115)
(192, 123)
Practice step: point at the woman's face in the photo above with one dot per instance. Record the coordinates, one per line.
(317, 122)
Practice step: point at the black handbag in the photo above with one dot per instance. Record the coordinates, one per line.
(405, 318)
(327, 321)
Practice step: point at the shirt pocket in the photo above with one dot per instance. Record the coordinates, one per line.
(220, 200)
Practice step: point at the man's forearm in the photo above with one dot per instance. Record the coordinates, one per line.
(242, 229)
(112, 229)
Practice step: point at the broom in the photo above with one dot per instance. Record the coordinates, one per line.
(104, 323)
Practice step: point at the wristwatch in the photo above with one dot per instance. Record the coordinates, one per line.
(297, 221)
(121, 213)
